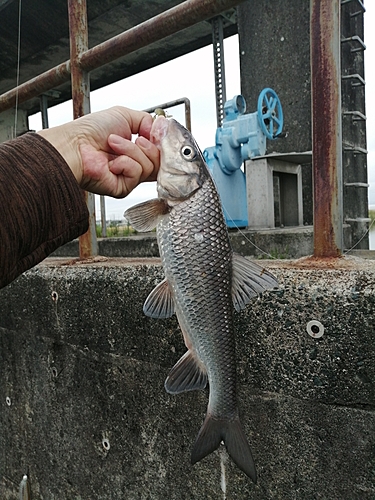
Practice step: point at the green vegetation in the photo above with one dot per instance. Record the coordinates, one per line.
(115, 230)
(275, 253)
(372, 215)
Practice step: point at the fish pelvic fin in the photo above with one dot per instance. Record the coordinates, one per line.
(188, 374)
(145, 216)
(159, 304)
(248, 280)
(213, 432)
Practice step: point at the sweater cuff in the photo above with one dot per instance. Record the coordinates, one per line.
(44, 206)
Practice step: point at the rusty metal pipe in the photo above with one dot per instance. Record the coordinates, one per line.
(167, 23)
(171, 21)
(326, 127)
(36, 86)
(78, 33)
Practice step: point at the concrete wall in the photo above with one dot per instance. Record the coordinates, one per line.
(84, 408)
(274, 40)
(7, 122)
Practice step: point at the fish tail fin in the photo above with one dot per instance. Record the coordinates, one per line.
(213, 432)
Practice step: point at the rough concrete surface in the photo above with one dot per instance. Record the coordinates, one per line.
(84, 408)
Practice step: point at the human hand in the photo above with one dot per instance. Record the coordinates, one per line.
(99, 150)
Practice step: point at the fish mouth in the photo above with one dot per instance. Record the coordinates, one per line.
(159, 130)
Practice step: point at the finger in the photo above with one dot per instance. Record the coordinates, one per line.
(127, 174)
(142, 152)
(153, 154)
(139, 122)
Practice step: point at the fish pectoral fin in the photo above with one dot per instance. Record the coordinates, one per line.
(248, 280)
(159, 304)
(145, 216)
(188, 374)
(213, 431)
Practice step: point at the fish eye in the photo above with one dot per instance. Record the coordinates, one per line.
(188, 153)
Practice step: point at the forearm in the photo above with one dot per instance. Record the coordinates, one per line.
(42, 205)
(66, 139)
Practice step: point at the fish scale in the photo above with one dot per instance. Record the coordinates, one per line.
(204, 282)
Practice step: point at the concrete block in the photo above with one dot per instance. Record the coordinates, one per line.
(84, 407)
(263, 196)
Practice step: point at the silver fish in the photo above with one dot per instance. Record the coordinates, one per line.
(204, 279)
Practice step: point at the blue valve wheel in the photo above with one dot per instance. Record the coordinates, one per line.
(270, 113)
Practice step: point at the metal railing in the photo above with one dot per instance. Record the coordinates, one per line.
(83, 60)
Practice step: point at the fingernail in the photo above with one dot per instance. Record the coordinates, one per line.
(142, 141)
(116, 139)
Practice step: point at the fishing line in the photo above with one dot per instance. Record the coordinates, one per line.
(244, 235)
(363, 236)
(272, 257)
(18, 65)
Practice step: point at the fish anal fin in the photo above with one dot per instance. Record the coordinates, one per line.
(159, 304)
(213, 431)
(248, 280)
(188, 374)
(145, 216)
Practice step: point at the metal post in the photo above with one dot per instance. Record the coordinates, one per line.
(218, 46)
(44, 110)
(88, 245)
(103, 216)
(326, 127)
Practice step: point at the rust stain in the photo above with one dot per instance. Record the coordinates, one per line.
(326, 122)
(167, 23)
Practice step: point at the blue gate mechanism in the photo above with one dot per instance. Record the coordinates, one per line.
(241, 137)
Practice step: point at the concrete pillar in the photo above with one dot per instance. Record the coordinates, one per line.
(274, 40)
(7, 124)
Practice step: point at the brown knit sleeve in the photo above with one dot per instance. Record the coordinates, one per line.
(42, 206)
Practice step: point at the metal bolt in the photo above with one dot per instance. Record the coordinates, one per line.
(315, 329)
(106, 444)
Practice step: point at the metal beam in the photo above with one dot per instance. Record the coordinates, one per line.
(157, 28)
(167, 23)
(326, 127)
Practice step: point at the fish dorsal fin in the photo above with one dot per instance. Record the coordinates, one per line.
(159, 304)
(145, 216)
(188, 374)
(248, 280)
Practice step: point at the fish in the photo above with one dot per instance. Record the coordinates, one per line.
(205, 281)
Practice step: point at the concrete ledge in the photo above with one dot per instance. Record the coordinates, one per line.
(83, 404)
(282, 243)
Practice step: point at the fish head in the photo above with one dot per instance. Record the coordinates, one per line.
(182, 167)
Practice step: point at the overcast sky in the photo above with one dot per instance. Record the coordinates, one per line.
(182, 78)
